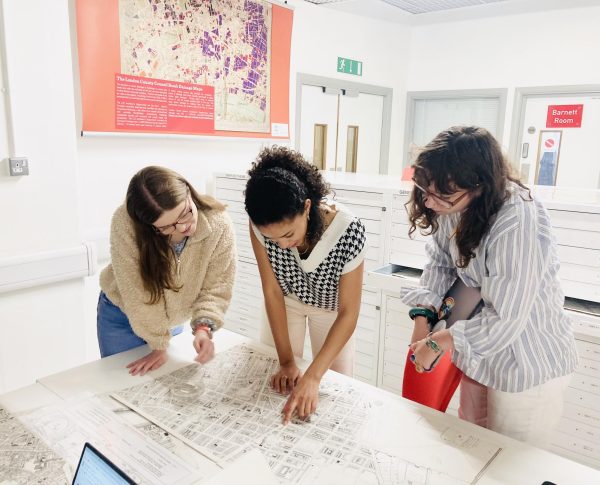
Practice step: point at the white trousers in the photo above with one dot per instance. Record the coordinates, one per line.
(530, 416)
(319, 323)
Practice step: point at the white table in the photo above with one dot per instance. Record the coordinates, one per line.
(518, 463)
(28, 398)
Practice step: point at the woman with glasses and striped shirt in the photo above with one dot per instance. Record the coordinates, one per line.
(172, 260)
(518, 352)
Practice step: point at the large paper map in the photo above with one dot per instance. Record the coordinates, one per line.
(24, 458)
(220, 43)
(225, 408)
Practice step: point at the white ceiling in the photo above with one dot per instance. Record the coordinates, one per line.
(417, 12)
(422, 6)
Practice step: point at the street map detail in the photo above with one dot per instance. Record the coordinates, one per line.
(226, 408)
(221, 43)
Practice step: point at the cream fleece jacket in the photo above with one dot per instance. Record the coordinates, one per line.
(206, 273)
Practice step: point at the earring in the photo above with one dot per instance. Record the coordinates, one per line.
(307, 217)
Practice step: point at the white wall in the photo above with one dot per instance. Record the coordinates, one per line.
(40, 330)
(323, 34)
(559, 47)
(40, 210)
(4, 109)
(76, 183)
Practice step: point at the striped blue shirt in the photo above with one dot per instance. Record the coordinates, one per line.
(522, 337)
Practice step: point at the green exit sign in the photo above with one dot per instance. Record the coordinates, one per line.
(349, 66)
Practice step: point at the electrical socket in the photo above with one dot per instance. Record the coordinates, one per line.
(18, 166)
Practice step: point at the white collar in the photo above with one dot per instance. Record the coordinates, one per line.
(328, 239)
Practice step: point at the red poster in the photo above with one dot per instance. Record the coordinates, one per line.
(160, 105)
(564, 116)
(219, 68)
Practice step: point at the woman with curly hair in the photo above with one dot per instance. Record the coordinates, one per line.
(310, 257)
(518, 352)
(172, 259)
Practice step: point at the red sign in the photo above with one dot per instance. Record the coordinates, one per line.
(159, 105)
(564, 116)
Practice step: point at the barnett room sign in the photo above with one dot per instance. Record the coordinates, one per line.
(564, 116)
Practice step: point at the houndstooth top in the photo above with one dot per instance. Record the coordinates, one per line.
(315, 280)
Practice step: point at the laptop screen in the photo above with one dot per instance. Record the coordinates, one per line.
(95, 469)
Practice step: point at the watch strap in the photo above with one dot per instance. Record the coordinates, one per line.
(205, 322)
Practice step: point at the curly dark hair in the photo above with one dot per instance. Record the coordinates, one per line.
(462, 158)
(279, 184)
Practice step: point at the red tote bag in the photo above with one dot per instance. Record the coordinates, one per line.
(435, 389)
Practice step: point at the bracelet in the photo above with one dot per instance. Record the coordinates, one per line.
(206, 323)
(423, 312)
(432, 344)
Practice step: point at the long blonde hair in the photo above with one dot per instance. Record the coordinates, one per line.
(151, 192)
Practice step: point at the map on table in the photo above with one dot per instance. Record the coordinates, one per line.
(226, 408)
(24, 458)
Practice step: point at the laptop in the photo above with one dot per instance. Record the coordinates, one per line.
(95, 469)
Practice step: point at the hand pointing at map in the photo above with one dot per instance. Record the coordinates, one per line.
(303, 399)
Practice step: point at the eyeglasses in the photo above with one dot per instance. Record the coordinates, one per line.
(186, 218)
(448, 204)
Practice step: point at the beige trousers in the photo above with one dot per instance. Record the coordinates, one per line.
(530, 416)
(319, 323)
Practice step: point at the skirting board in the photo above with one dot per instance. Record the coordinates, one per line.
(47, 267)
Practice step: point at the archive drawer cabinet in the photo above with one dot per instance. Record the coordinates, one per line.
(246, 309)
(394, 260)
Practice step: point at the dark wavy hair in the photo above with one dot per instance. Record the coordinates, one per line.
(462, 158)
(152, 191)
(279, 184)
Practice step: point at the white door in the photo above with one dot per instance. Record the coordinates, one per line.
(318, 113)
(359, 128)
(341, 130)
(564, 155)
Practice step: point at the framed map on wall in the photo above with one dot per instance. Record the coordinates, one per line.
(217, 67)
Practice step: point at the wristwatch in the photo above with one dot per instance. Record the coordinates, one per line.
(205, 322)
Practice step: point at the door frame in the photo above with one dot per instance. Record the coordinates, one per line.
(355, 89)
(522, 94)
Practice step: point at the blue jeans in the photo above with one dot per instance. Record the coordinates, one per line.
(114, 330)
